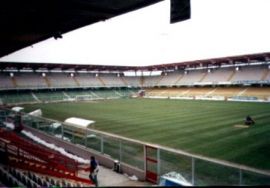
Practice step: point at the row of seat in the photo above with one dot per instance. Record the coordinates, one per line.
(24, 179)
(177, 77)
(8, 180)
(24, 154)
(211, 77)
(43, 96)
(13, 177)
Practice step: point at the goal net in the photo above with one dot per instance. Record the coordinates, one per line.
(83, 97)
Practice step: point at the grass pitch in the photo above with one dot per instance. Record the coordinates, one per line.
(200, 127)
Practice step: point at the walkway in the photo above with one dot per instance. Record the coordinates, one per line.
(108, 177)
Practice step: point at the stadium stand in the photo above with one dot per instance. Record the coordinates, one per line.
(200, 91)
(219, 75)
(260, 92)
(228, 92)
(133, 81)
(30, 80)
(32, 165)
(169, 92)
(36, 96)
(61, 80)
(88, 80)
(171, 79)
(16, 97)
(192, 77)
(266, 75)
(226, 78)
(112, 80)
(13, 177)
(9, 180)
(50, 96)
(249, 73)
(6, 82)
(75, 93)
(151, 81)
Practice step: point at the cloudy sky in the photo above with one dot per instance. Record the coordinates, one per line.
(217, 28)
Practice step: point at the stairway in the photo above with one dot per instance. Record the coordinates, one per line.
(94, 94)
(210, 92)
(265, 74)
(14, 82)
(161, 77)
(242, 92)
(76, 81)
(103, 83)
(179, 78)
(203, 77)
(231, 76)
(47, 81)
(124, 81)
(35, 97)
(66, 95)
(141, 81)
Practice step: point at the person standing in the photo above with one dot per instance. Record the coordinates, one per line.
(93, 170)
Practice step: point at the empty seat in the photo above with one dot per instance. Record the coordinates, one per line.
(52, 181)
(39, 181)
(28, 183)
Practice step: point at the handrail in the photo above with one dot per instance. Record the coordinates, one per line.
(177, 151)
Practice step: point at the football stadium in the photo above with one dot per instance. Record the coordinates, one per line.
(201, 122)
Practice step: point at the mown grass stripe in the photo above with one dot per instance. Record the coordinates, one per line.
(202, 127)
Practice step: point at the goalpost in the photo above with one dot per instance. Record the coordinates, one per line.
(83, 97)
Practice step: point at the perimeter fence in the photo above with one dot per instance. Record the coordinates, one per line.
(154, 160)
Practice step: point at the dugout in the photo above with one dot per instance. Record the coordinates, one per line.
(75, 129)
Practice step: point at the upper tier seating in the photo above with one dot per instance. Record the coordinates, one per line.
(218, 75)
(170, 79)
(88, 80)
(267, 75)
(112, 80)
(151, 81)
(225, 75)
(61, 80)
(249, 73)
(191, 77)
(30, 80)
(134, 81)
(6, 81)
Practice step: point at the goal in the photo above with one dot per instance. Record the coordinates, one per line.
(83, 97)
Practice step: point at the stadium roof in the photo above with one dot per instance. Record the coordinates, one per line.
(145, 37)
(24, 23)
(249, 58)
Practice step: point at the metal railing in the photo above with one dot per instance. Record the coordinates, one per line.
(198, 170)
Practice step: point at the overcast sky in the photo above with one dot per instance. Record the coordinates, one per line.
(217, 28)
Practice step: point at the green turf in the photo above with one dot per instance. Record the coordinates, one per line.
(200, 127)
